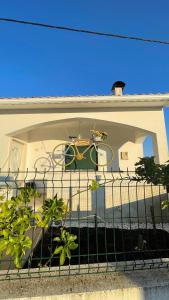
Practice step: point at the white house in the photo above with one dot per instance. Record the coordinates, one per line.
(33, 126)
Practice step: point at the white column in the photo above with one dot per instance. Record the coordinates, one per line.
(160, 147)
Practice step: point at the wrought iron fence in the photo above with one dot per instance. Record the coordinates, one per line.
(120, 226)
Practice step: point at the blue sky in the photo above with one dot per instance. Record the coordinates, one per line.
(35, 61)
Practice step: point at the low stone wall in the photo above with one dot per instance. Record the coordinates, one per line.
(137, 285)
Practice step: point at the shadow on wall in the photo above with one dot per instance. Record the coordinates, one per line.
(114, 204)
(117, 202)
(140, 211)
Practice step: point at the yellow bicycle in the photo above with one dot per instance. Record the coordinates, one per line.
(64, 154)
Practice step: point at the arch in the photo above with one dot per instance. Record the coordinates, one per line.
(122, 137)
(33, 132)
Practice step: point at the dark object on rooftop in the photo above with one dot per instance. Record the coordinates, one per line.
(118, 84)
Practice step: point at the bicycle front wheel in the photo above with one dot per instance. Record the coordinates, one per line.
(63, 154)
(42, 164)
(102, 155)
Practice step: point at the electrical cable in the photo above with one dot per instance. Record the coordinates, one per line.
(91, 32)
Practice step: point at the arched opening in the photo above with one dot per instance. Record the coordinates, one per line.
(41, 139)
(148, 148)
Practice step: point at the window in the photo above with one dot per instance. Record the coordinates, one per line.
(84, 164)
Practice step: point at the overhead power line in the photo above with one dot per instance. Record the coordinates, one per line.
(91, 32)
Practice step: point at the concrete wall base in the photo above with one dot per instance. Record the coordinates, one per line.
(136, 285)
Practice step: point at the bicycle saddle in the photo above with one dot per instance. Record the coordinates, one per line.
(72, 137)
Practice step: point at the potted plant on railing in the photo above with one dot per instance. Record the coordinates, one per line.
(98, 135)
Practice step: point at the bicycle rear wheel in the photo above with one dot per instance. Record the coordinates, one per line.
(63, 154)
(105, 155)
(42, 164)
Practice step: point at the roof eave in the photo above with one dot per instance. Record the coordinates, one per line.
(159, 100)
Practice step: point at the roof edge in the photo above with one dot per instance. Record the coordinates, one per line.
(159, 100)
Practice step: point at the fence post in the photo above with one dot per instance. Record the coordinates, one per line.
(153, 217)
(95, 221)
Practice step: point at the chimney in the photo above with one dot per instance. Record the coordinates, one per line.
(118, 87)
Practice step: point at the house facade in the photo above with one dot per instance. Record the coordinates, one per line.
(32, 127)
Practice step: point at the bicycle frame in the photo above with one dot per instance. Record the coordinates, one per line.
(51, 159)
(85, 151)
(69, 151)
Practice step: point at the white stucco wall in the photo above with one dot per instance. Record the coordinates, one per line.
(129, 127)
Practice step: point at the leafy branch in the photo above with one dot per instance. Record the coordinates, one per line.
(149, 171)
(67, 241)
(16, 221)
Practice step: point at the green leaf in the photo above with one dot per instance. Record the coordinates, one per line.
(27, 242)
(94, 185)
(58, 249)
(72, 237)
(3, 244)
(9, 250)
(73, 246)
(6, 233)
(68, 252)
(63, 235)
(57, 239)
(13, 239)
(62, 257)
(38, 219)
(17, 262)
(164, 204)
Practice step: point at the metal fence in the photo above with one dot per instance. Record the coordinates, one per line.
(120, 226)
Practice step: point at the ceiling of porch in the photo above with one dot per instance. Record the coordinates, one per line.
(60, 130)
